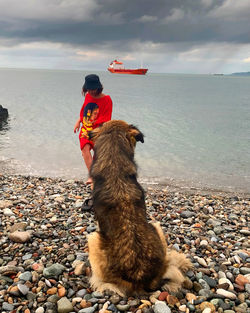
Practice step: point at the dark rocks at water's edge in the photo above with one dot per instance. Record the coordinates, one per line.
(3, 114)
(44, 264)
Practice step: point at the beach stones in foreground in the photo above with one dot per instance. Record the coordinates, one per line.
(44, 265)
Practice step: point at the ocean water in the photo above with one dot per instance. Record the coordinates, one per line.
(196, 127)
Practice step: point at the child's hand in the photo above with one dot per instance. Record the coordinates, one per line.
(77, 126)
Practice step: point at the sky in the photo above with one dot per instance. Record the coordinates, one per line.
(166, 36)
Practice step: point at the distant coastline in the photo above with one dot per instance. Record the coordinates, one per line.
(241, 74)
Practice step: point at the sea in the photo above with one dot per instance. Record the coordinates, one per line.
(196, 127)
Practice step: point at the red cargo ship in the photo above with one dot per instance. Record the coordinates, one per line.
(117, 67)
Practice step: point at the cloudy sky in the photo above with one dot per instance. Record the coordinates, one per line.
(170, 36)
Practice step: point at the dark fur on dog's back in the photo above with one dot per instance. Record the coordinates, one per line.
(131, 252)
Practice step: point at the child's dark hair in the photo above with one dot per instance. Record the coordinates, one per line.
(98, 91)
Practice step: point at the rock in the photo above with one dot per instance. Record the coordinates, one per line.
(172, 300)
(9, 270)
(7, 306)
(8, 212)
(3, 114)
(64, 306)
(23, 289)
(18, 226)
(115, 299)
(241, 280)
(207, 305)
(182, 308)
(201, 261)
(163, 296)
(61, 291)
(20, 236)
(80, 268)
(245, 270)
(122, 307)
(226, 294)
(88, 310)
(247, 288)
(53, 271)
(190, 297)
(161, 307)
(207, 310)
(26, 276)
(204, 243)
(5, 204)
(187, 214)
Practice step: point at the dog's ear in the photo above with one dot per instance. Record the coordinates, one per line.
(134, 132)
(93, 133)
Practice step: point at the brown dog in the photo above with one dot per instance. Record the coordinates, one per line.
(128, 255)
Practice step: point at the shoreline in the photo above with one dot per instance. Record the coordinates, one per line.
(170, 184)
(44, 265)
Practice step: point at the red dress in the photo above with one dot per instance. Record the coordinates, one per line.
(94, 112)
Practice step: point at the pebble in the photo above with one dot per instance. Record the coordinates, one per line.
(226, 294)
(47, 268)
(161, 307)
(64, 306)
(53, 271)
(20, 236)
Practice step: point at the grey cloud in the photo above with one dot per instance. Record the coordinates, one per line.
(118, 23)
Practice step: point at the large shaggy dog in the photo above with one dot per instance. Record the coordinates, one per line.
(128, 255)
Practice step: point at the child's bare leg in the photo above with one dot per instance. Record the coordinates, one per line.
(87, 159)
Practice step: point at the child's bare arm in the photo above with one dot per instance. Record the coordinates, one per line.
(77, 125)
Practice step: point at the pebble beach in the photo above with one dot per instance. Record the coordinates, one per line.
(44, 265)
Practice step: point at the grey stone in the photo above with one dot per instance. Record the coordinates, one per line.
(64, 306)
(7, 306)
(204, 284)
(97, 294)
(26, 276)
(187, 214)
(247, 288)
(245, 270)
(53, 271)
(161, 307)
(123, 307)
(114, 299)
(81, 293)
(89, 310)
(27, 256)
(210, 281)
(23, 289)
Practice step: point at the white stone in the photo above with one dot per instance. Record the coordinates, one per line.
(225, 293)
(203, 243)
(207, 310)
(7, 212)
(182, 308)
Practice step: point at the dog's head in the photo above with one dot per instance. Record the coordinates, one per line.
(116, 127)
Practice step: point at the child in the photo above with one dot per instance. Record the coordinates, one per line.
(96, 109)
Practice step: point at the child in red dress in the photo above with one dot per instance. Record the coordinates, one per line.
(96, 109)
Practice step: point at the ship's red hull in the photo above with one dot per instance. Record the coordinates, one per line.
(138, 71)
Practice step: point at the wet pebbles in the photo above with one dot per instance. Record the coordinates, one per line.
(44, 264)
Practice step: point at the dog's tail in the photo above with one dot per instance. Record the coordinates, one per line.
(177, 266)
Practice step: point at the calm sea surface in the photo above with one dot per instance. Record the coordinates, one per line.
(197, 127)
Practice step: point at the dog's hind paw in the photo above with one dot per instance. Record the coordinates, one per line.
(110, 288)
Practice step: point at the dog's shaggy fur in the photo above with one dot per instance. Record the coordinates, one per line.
(128, 255)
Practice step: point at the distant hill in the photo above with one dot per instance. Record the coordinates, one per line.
(241, 74)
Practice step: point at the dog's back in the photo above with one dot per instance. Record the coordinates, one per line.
(134, 249)
(127, 254)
